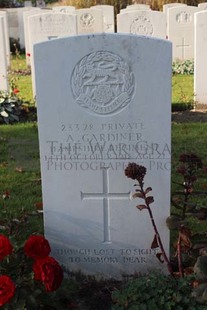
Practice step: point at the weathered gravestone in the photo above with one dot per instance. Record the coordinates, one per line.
(149, 23)
(103, 101)
(200, 74)
(3, 59)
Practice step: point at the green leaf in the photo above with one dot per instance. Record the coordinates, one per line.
(200, 268)
(174, 222)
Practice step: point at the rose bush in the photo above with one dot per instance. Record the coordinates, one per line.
(7, 289)
(5, 247)
(25, 268)
(37, 247)
(49, 272)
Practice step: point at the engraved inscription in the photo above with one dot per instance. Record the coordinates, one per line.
(102, 83)
(141, 25)
(105, 196)
(52, 24)
(184, 17)
(87, 20)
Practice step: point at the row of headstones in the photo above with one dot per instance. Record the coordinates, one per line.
(175, 23)
(40, 25)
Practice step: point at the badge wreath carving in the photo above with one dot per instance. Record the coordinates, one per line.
(102, 83)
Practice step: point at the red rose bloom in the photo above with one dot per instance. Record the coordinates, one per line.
(15, 91)
(37, 247)
(5, 247)
(28, 54)
(49, 272)
(7, 289)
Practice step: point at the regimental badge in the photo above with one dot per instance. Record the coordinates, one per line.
(102, 83)
(87, 20)
(141, 25)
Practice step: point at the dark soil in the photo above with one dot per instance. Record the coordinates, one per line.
(198, 115)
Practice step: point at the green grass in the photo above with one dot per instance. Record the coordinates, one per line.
(182, 91)
(21, 81)
(20, 172)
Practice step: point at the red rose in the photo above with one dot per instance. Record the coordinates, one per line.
(15, 91)
(7, 289)
(37, 247)
(49, 272)
(28, 54)
(5, 247)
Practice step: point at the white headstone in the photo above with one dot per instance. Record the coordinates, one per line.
(16, 25)
(149, 23)
(108, 17)
(100, 99)
(49, 26)
(13, 23)
(181, 31)
(89, 21)
(26, 14)
(6, 29)
(202, 6)
(3, 58)
(64, 9)
(200, 60)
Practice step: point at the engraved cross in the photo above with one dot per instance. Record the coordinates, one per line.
(183, 46)
(106, 196)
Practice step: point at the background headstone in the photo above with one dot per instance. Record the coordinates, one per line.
(3, 58)
(149, 23)
(89, 21)
(49, 26)
(108, 17)
(26, 14)
(181, 31)
(100, 99)
(200, 60)
(202, 6)
(16, 24)
(6, 35)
